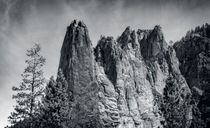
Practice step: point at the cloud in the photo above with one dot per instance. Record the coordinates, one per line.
(24, 22)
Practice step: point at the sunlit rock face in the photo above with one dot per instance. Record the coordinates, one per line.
(131, 82)
(193, 52)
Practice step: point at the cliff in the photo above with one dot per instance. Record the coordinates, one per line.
(131, 82)
(193, 52)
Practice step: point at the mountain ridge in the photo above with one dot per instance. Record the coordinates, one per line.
(131, 82)
(193, 53)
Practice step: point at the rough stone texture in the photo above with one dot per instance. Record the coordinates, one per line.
(126, 83)
(193, 52)
(77, 65)
(164, 67)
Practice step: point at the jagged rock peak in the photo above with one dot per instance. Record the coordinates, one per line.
(157, 28)
(76, 23)
(143, 33)
(106, 42)
(76, 42)
(128, 36)
(77, 34)
(152, 42)
(127, 30)
(157, 31)
(77, 64)
(106, 46)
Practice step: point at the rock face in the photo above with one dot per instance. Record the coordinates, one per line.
(77, 65)
(131, 82)
(193, 52)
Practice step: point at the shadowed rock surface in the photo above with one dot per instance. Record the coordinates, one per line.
(78, 67)
(193, 52)
(131, 82)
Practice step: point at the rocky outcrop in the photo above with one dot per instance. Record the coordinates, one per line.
(131, 82)
(77, 64)
(193, 52)
(169, 86)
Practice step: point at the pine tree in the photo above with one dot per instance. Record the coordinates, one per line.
(55, 103)
(28, 93)
(175, 103)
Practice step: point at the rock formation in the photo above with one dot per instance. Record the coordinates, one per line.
(131, 82)
(193, 52)
(77, 64)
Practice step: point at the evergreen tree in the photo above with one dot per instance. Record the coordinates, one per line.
(55, 103)
(175, 104)
(28, 93)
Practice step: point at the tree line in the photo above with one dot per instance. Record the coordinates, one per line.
(39, 105)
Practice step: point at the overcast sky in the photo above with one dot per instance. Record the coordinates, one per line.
(25, 22)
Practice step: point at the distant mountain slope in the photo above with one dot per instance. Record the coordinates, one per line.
(193, 52)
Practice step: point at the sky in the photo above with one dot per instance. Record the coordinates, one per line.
(25, 22)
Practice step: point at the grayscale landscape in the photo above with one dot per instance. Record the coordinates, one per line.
(104, 64)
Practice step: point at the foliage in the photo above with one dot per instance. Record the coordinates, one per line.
(176, 104)
(30, 90)
(54, 111)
